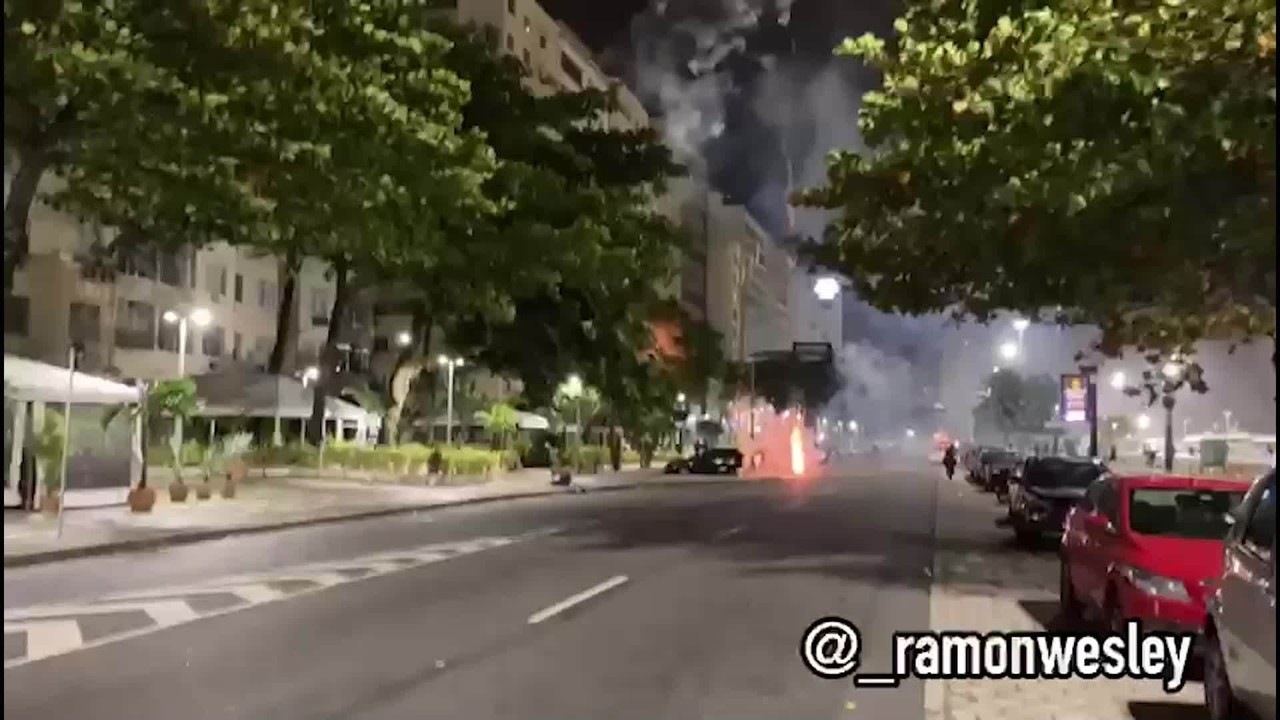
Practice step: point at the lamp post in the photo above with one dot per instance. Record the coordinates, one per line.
(450, 365)
(573, 388)
(1020, 326)
(200, 317)
(1172, 371)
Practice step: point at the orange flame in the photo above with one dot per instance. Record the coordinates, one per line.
(797, 450)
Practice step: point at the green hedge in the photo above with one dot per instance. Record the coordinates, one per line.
(408, 459)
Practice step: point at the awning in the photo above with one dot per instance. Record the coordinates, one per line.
(35, 381)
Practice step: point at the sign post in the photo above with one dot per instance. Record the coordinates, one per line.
(1078, 402)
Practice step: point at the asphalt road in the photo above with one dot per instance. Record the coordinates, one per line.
(648, 604)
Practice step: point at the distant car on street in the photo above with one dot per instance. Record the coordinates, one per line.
(994, 468)
(1147, 548)
(720, 461)
(1045, 491)
(1240, 632)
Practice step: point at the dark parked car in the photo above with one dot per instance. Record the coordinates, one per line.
(1048, 488)
(721, 461)
(995, 468)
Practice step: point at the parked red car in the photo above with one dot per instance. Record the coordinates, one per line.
(1146, 548)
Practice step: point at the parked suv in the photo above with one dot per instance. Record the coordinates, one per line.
(1240, 633)
(1046, 490)
(1146, 548)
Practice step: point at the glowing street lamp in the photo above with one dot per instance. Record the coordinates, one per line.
(826, 288)
(574, 389)
(1118, 380)
(200, 317)
(1172, 370)
(1144, 421)
(451, 364)
(310, 375)
(404, 338)
(1009, 351)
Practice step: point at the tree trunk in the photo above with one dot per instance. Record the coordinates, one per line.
(283, 354)
(419, 345)
(329, 355)
(17, 210)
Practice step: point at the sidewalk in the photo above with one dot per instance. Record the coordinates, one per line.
(270, 504)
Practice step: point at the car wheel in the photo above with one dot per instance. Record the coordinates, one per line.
(1069, 607)
(1219, 699)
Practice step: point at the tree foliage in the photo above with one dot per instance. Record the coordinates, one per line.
(1013, 403)
(1104, 162)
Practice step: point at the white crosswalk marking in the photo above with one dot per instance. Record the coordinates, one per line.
(51, 637)
(52, 630)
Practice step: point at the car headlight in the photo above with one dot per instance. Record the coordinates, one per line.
(1154, 585)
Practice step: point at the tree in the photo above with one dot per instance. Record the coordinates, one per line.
(1110, 163)
(1012, 403)
(107, 96)
(501, 421)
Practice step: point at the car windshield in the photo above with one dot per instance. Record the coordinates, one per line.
(1186, 513)
(1062, 473)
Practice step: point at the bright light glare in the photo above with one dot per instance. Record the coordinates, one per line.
(403, 338)
(911, 433)
(797, 451)
(1021, 324)
(681, 397)
(311, 373)
(1118, 380)
(201, 317)
(826, 288)
(573, 386)
(853, 424)
(1172, 370)
(1144, 421)
(170, 316)
(443, 360)
(1009, 350)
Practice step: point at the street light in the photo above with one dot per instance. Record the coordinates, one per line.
(911, 433)
(1144, 421)
(826, 288)
(1172, 370)
(200, 317)
(1021, 325)
(1009, 350)
(681, 397)
(404, 338)
(310, 375)
(573, 388)
(1118, 380)
(450, 364)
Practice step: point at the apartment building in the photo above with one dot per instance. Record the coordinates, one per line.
(114, 311)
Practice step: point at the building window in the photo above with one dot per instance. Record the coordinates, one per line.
(85, 322)
(237, 346)
(492, 37)
(511, 6)
(528, 26)
(212, 340)
(511, 43)
(239, 288)
(380, 344)
(17, 314)
(135, 325)
(542, 42)
(571, 69)
(528, 61)
(217, 282)
(167, 337)
(321, 306)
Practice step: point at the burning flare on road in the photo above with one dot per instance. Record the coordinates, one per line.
(797, 450)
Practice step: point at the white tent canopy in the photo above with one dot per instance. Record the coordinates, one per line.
(261, 395)
(34, 381)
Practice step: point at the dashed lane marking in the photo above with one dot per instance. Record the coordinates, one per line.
(37, 633)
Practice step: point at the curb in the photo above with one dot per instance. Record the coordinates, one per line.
(161, 541)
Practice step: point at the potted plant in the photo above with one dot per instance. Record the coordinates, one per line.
(174, 399)
(48, 447)
(233, 450)
(178, 489)
(209, 465)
